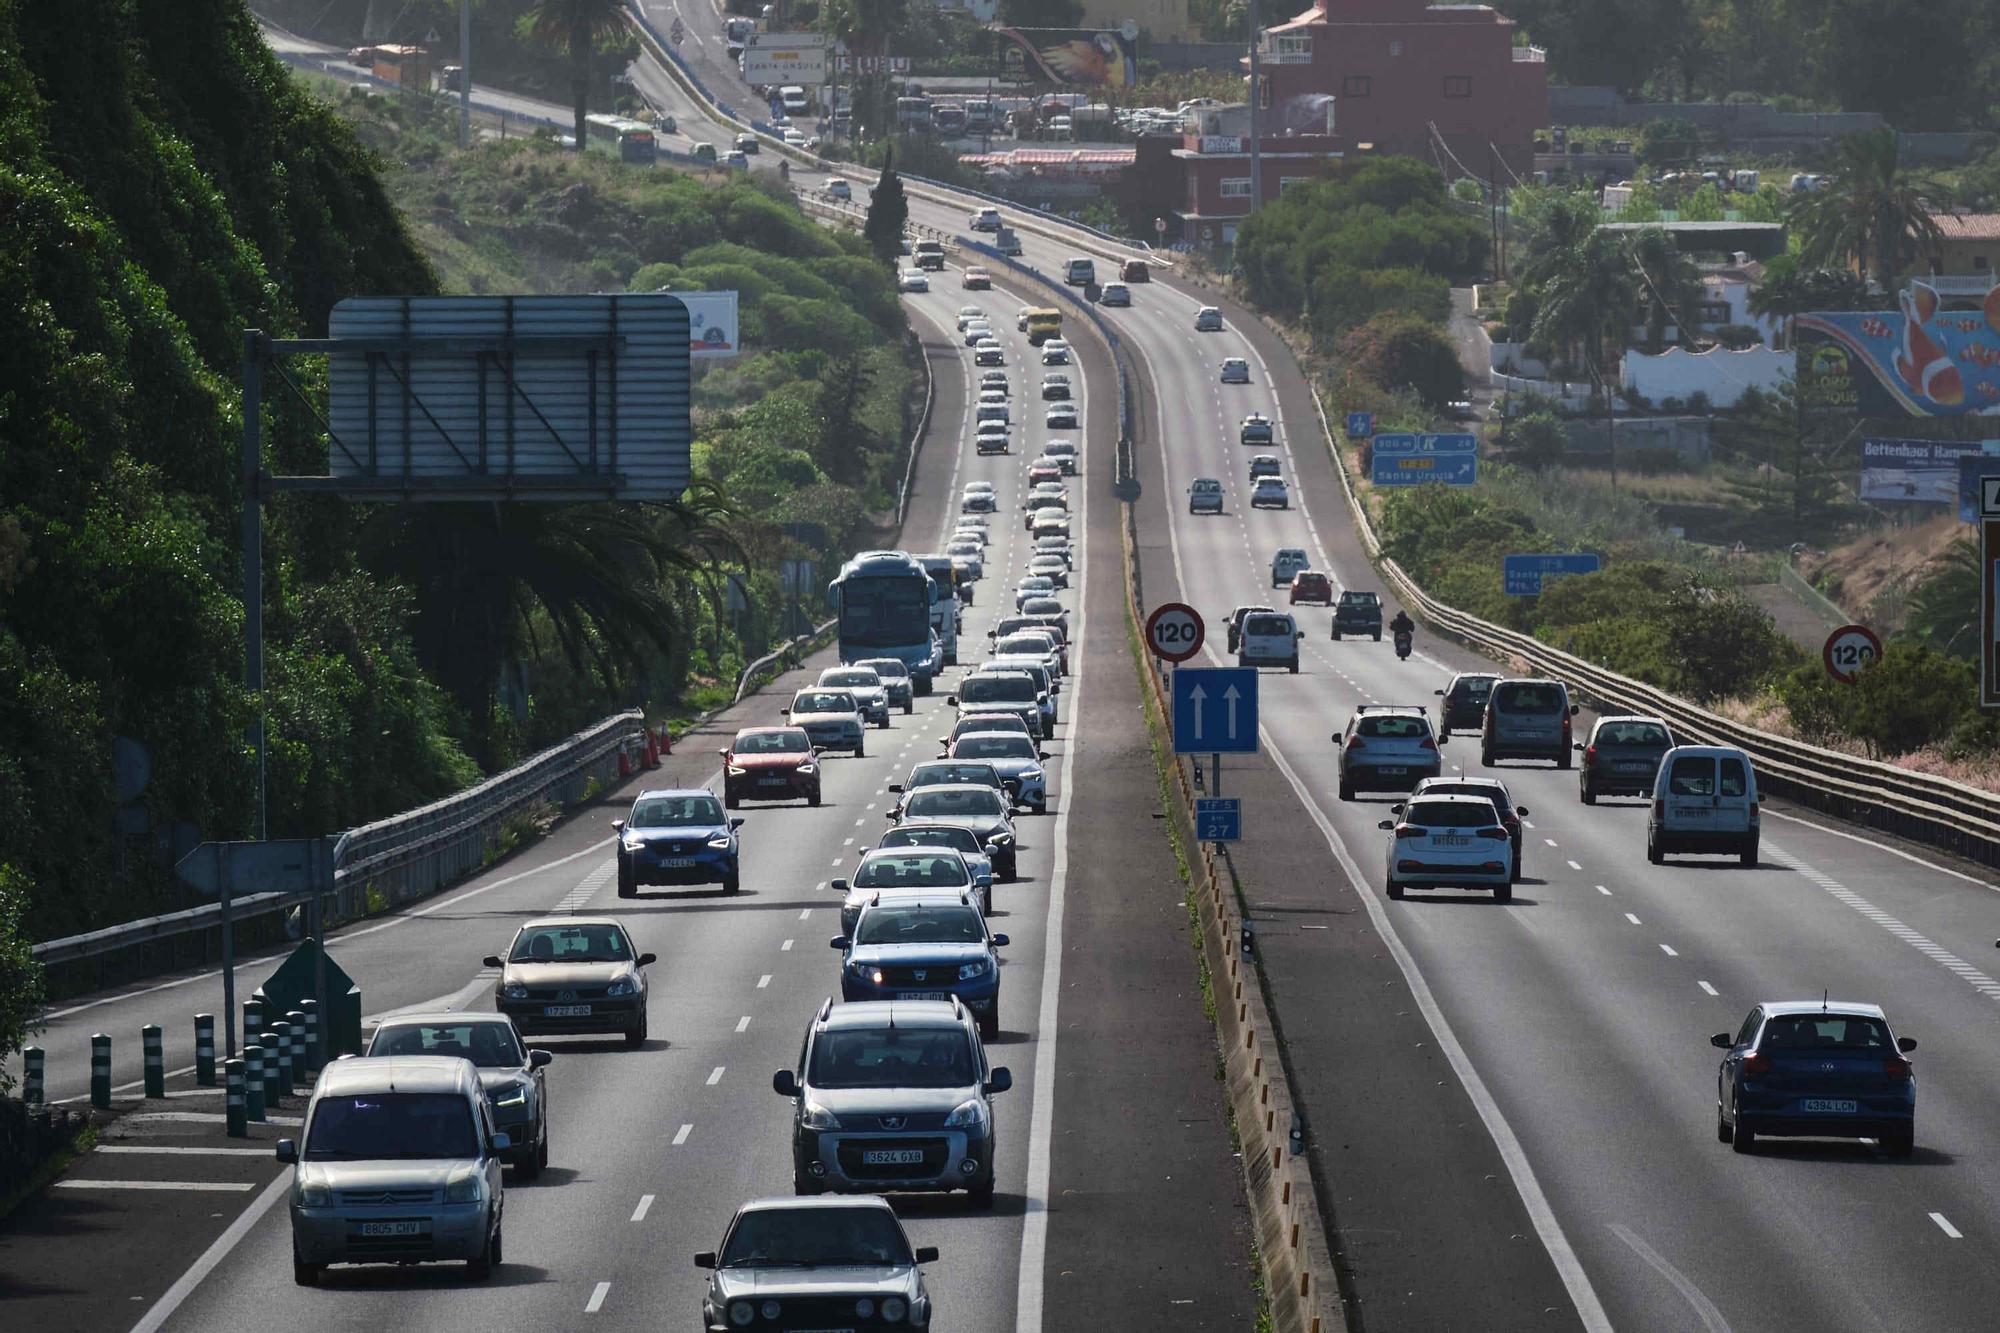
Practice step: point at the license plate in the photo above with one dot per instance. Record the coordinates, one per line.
(1392, 772)
(565, 1011)
(1451, 841)
(773, 782)
(924, 995)
(392, 1228)
(892, 1157)
(1691, 811)
(676, 862)
(1634, 768)
(1823, 1104)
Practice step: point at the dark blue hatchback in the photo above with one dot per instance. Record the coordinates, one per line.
(924, 947)
(677, 837)
(1815, 1069)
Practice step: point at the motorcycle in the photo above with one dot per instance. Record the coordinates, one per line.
(1402, 644)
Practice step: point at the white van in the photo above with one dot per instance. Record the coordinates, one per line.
(794, 99)
(1269, 638)
(1288, 561)
(1704, 800)
(1079, 272)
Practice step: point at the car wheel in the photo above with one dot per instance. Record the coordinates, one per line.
(1743, 1138)
(1900, 1142)
(1346, 791)
(1378, 636)
(542, 1148)
(1514, 874)
(1565, 760)
(628, 883)
(989, 1022)
(732, 881)
(1504, 893)
(303, 1273)
(1653, 852)
(1295, 666)
(986, 901)
(982, 1190)
(812, 797)
(1749, 855)
(1486, 756)
(861, 749)
(1584, 792)
(637, 1036)
(1723, 1134)
(1395, 888)
(805, 1186)
(922, 686)
(480, 1269)
(909, 707)
(730, 799)
(1444, 733)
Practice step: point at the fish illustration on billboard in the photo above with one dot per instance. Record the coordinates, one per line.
(1917, 360)
(1922, 363)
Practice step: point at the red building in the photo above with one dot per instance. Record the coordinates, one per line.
(1214, 176)
(1395, 68)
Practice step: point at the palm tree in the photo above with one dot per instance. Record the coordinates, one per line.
(1672, 286)
(1944, 608)
(576, 28)
(1789, 288)
(1872, 211)
(1588, 303)
(1555, 226)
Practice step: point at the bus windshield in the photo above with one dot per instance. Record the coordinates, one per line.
(884, 610)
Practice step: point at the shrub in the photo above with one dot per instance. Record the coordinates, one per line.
(20, 974)
(1537, 440)
(1404, 350)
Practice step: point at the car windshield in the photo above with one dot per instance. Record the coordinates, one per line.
(984, 723)
(1448, 814)
(822, 701)
(675, 811)
(773, 742)
(600, 942)
(954, 836)
(1022, 643)
(1204, 485)
(1267, 625)
(866, 680)
(376, 1125)
(1692, 775)
(915, 869)
(1042, 606)
(819, 1237)
(1528, 697)
(1395, 728)
(887, 667)
(997, 689)
(996, 746)
(1633, 733)
(920, 925)
(1472, 687)
(953, 803)
(488, 1045)
(1823, 1032)
(1359, 599)
(949, 774)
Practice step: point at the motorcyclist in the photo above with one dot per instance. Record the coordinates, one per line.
(784, 170)
(1402, 624)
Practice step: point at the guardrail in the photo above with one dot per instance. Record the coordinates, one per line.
(782, 652)
(1930, 809)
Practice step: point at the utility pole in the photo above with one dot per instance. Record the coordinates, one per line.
(1256, 115)
(464, 73)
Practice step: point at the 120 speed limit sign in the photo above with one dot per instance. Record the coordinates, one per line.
(1174, 631)
(1848, 649)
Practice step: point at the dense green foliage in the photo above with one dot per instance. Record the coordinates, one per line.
(1913, 696)
(20, 974)
(1924, 64)
(888, 214)
(1404, 350)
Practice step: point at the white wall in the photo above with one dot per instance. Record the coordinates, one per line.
(1720, 374)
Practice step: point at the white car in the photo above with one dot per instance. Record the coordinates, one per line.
(1235, 370)
(1115, 294)
(967, 314)
(830, 718)
(1055, 387)
(838, 187)
(1439, 842)
(978, 502)
(987, 412)
(865, 684)
(1270, 493)
(1269, 638)
(992, 379)
(1055, 352)
(973, 553)
(1287, 562)
(1032, 587)
(915, 280)
(985, 219)
(901, 872)
(1051, 567)
(1064, 453)
(1021, 320)
(977, 331)
(1061, 416)
(988, 353)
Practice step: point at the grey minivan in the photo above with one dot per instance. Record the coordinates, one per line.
(1527, 719)
(399, 1163)
(1704, 800)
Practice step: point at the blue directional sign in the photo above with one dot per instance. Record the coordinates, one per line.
(1527, 575)
(1218, 819)
(1215, 710)
(1424, 469)
(1456, 443)
(1360, 425)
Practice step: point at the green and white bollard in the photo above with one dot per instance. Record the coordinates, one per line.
(283, 1032)
(32, 1074)
(100, 1071)
(156, 1061)
(253, 1019)
(204, 1050)
(239, 1121)
(274, 1088)
(253, 1082)
(314, 1057)
(296, 1019)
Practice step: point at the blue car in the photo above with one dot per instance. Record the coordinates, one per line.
(1815, 1069)
(924, 947)
(677, 838)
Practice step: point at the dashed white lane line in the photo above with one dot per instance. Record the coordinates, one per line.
(1944, 1225)
(1967, 973)
(1710, 989)
(764, 981)
(836, 860)
(805, 913)
(645, 1206)
(681, 1134)
(1601, 889)
(597, 1295)
(743, 1023)
(786, 947)
(1668, 950)
(1574, 866)
(848, 843)
(1633, 919)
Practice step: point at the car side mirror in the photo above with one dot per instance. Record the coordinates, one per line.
(736, 822)
(491, 960)
(1577, 746)
(1444, 740)
(785, 1083)
(1574, 709)
(1439, 693)
(724, 752)
(540, 1059)
(926, 1254)
(999, 1080)
(646, 958)
(705, 1259)
(1298, 634)
(1521, 810)
(287, 1151)
(999, 941)
(1385, 824)
(1721, 1041)
(895, 786)
(617, 826)
(1397, 808)
(838, 886)
(500, 1142)
(1906, 1044)
(951, 699)
(838, 942)
(786, 711)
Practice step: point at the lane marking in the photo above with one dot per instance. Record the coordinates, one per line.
(137, 1149)
(805, 913)
(715, 1075)
(1957, 966)
(1710, 989)
(1550, 841)
(743, 1023)
(645, 1206)
(1668, 950)
(1944, 1225)
(1911, 857)
(1633, 919)
(1601, 889)
(681, 1134)
(763, 981)
(597, 1295)
(786, 947)
(211, 1258)
(1574, 866)
(192, 1186)
(1704, 1309)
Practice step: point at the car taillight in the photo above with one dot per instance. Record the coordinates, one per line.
(1428, 744)
(1409, 865)
(1355, 744)
(1896, 1067)
(1498, 834)
(1756, 1063)
(1565, 724)
(1659, 809)
(1406, 831)
(1589, 755)
(1753, 809)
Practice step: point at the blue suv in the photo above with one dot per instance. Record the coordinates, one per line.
(924, 947)
(677, 837)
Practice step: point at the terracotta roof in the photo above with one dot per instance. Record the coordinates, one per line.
(1969, 226)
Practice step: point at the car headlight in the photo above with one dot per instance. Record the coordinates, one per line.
(721, 844)
(806, 769)
(1000, 840)
(516, 1095)
(313, 1195)
(972, 1113)
(975, 968)
(741, 1313)
(635, 845)
(1033, 774)
(623, 986)
(816, 1116)
(736, 771)
(893, 1310)
(864, 1307)
(463, 1188)
(514, 990)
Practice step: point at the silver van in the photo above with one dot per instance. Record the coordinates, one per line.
(1527, 719)
(1704, 800)
(399, 1163)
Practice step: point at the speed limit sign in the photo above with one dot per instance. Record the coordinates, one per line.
(1174, 631)
(1848, 649)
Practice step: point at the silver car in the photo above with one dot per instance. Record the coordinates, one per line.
(399, 1163)
(871, 696)
(892, 872)
(917, 833)
(831, 718)
(895, 676)
(1016, 759)
(516, 1088)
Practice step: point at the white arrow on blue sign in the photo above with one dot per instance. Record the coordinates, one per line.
(1215, 710)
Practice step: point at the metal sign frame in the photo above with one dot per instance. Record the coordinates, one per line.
(1989, 614)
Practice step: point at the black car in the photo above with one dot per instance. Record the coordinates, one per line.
(1358, 613)
(1464, 702)
(573, 974)
(1622, 757)
(815, 1263)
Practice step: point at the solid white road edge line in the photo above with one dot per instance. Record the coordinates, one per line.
(212, 1257)
(1711, 1318)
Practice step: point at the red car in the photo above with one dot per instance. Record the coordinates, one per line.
(1312, 587)
(770, 764)
(1042, 472)
(976, 279)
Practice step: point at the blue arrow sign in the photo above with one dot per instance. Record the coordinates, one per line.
(1215, 710)
(1426, 444)
(1218, 819)
(1423, 469)
(1528, 575)
(1360, 425)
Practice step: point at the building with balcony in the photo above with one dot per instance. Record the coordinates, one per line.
(1408, 77)
(1960, 267)
(1214, 175)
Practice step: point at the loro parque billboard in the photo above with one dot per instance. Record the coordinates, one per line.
(1919, 360)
